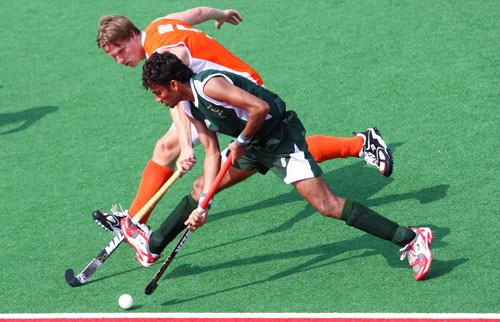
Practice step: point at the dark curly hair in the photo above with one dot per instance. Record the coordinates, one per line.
(160, 69)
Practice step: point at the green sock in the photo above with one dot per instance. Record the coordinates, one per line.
(367, 220)
(172, 226)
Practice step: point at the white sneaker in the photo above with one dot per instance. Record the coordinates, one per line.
(419, 252)
(375, 151)
(138, 237)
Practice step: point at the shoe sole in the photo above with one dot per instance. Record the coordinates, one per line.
(389, 164)
(97, 214)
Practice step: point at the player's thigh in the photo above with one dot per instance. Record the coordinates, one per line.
(234, 176)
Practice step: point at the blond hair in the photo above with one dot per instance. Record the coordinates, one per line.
(113, 28)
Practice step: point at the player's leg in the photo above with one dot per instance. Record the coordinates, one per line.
(367, 144)
(297, 166)
(158, 170)
(317, 192)
(325, 148)
(414, 241)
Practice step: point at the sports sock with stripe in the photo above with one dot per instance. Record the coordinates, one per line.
(173, 225)
(325, 148)
(153, 178)
(367, 220)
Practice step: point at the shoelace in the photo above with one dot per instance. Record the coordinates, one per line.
(403, 251)
(412, 257)
(115, 212)
(370, 158)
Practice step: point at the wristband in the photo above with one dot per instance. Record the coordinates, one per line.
(202, 197)
(243, 140)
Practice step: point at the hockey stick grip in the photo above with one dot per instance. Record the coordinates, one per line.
(157, 196)
(215, 184)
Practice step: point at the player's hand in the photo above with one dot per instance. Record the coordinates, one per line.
(237, 151)
(186, 160)
(230, 16)
(196, 219)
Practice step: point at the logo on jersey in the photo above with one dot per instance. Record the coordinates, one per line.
(216, 109)
(207, 123)
(170, 27)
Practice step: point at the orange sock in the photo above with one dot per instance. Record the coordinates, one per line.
(153, 178)
(324, 147)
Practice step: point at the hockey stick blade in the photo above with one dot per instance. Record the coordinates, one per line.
(69, 275)
(92, 267)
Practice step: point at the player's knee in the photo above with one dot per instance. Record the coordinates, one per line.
(166, 151)
(197, 188)
(329, 209)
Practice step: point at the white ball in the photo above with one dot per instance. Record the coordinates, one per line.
(126, 301)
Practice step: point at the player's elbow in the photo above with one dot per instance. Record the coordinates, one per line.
(263, 109)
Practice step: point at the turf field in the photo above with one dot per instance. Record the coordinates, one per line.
(76, 130)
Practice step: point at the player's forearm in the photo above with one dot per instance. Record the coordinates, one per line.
(211, 167)
(211, 164)
(207, 13)
(183, 126)
(201, 14)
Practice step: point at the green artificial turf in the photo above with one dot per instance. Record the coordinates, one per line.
(76, 130)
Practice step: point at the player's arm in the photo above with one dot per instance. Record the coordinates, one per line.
(179, 51)
(186, 159)
(211, 167)
(201, 14)
(221, 90)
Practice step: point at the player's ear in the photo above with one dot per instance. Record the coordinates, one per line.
(174, 85)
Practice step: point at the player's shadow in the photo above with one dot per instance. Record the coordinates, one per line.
(324, 255)
(357, 181)
(26, 118)
(112, 275)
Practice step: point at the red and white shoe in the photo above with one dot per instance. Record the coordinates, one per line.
(419, 252)
(138, 237)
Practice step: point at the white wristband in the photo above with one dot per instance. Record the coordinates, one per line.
(202, 197)
(243, 140)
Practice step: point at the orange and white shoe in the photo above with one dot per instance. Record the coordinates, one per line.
(419, 252)
(138, 237)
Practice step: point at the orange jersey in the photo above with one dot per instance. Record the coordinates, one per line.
(205, 53)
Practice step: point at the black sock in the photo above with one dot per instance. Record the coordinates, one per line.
(172, 226)
(367, 220)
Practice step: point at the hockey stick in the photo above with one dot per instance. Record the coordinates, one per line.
(92, 267)
(153, 284)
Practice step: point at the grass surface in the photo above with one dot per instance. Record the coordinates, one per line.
(76, 130)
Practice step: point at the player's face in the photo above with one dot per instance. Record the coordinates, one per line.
(169, 97)
(127, 52)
